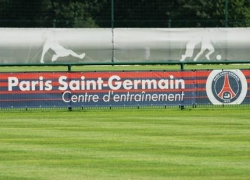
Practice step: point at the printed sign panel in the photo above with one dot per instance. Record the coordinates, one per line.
(33, 46)
(58, 89)
(142, 88)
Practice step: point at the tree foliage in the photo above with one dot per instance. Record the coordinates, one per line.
(127, 13)
(213, 13)
(75, 13)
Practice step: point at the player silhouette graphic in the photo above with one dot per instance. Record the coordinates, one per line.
(206, 46)
(51, 42)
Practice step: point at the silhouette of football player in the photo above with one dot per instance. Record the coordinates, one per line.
(60, 51)
(206, 45)
(190, 47)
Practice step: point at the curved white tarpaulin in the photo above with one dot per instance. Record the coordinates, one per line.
(55, 45)
(40, 45)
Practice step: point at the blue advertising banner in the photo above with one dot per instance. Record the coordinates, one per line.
(141, 88)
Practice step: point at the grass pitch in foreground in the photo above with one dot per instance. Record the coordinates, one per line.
(125, 144)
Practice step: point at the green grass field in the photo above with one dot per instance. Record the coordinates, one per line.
(103, 144)
(119, 68)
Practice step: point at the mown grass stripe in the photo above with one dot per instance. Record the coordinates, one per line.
(125, 144)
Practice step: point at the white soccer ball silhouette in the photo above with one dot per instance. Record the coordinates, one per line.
(218, 57)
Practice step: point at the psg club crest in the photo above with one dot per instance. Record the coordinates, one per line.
(226, 87)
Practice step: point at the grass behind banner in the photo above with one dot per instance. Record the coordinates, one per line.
(120, 68)
(190, 144)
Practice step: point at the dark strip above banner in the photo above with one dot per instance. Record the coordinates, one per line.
(143, 88)
(34, 46)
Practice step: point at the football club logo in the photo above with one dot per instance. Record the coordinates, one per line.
(226, 87)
